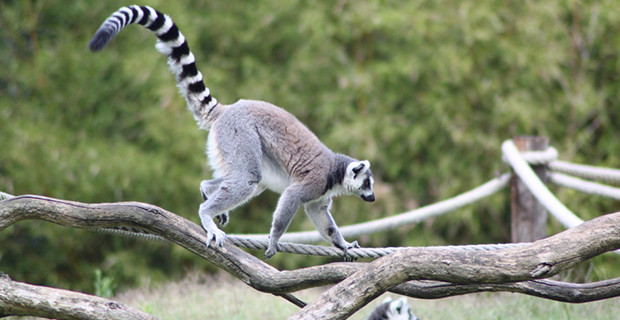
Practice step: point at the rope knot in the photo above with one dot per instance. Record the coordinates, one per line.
(538, 157)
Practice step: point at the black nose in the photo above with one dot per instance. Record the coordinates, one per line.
(369, 198)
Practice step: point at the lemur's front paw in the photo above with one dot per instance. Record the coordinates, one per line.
(345, 249)
(353, 245)
(216, 235)
(271, 250)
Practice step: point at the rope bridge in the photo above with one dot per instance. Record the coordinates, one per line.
(565, 174)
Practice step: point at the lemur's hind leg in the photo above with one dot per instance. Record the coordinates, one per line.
(207, 187)
(231, 193)
(238, 163)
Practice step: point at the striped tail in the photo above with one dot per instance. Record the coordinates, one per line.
(171, 43)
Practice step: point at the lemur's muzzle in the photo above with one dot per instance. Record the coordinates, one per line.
(369, 198)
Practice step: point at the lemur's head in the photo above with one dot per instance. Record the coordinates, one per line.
(394, 310)
(358, 180)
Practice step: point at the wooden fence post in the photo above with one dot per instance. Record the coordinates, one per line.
(528, 216)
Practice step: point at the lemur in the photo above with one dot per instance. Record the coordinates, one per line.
(392, 310)
(252, 146)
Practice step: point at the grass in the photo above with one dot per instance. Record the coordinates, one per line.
(200, 297)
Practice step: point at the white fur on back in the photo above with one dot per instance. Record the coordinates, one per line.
(216, 161)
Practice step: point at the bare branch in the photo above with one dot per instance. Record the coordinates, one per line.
(244, 266)
(417, 272)
(17, 298)
(548, 289)
(543, 258)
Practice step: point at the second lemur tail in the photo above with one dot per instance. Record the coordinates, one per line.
(172, 43)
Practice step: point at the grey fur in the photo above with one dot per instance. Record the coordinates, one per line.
(252, 146)
(267, 147)
(392, 310)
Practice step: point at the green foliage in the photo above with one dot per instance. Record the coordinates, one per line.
(426, 90)
(104, 286)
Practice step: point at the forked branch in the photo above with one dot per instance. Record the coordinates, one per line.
(417, 272)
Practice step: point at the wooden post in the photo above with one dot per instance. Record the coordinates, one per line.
(528, 216)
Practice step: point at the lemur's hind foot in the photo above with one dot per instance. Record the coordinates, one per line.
(206, 188)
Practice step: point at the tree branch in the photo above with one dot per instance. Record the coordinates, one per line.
(409, 272)
(548, 289)
(17, 298)
(540, 259)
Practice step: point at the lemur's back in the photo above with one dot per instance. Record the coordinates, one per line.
(280, 137)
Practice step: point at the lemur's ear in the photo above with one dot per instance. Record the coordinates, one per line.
(387, 299)
(358, 166)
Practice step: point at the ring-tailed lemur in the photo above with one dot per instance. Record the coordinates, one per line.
(252, 145)
(392, 310)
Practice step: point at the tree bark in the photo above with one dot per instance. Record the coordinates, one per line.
(543, 288)
(418, 272)
(21, 299)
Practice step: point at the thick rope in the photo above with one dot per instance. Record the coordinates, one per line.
(538, 157)
(537, 187)
(373, 253)
(132, 234)
(397, 221)
(549, 157)
(307, 249)
(588, 172)
(584, 185)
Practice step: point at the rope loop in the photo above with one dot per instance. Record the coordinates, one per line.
(543, 157)
(611, 175)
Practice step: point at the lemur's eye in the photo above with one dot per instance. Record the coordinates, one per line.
(366, 183)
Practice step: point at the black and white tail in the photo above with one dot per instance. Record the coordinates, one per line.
(172, 43)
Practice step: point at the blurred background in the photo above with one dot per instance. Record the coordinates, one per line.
(426, 90)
